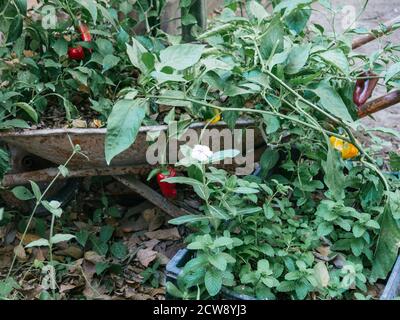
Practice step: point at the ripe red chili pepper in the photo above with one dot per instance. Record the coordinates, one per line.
(76, 53)
(84, 31)
(167, 189)
(364, 88)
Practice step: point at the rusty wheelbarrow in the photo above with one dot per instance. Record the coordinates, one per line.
(36, 154)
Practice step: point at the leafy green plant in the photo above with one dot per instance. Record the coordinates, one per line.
(281, 235)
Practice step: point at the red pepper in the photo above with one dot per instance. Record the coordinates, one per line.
(167, 189)
(84, 31)
(76, 53)
(364, 88)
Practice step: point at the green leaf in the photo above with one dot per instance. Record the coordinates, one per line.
(101, 267)
(123, 126)
(14, 123)
(119, 250)
(338, 59)
(213, 281)
(387, 247)
(173, 290)
(358, 230)
(183, 180)
(60, 47)
(38, 243)
(218, 261)
(181, 56)
(22, 193)
(334, 177)
(109, 62)
(29, 110)
(89, 5)
(135, 52)
(272, 122)
(15, 30)
(297, 58)
(106, 233)
(63, 170)
(332, 102)
(297, 20)
(324, 229)
(272, 39)
(257, 10)
(390, 131)
(53, 207)
(36, 190)
(22, 6)
(393, 71)
(4, 163)
(82, 237)
(223, 242)
(246, 190)
(187, 219)
(217, 212)
(268, 161)
(59, 237)
(394, 161)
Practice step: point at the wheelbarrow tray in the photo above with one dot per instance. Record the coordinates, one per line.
(54, 144)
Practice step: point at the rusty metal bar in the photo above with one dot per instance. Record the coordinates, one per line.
(152, 196)
(375, 34)
(379, 104)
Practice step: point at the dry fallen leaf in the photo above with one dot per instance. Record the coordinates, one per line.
(146, 256)
(162, 258)
(149, 214)
(19, 251)
(321, 273)
(29, 53)
(157, 221)
(93, 257)
(29, 237)
(164, 234)
(78, 123)
(72, 251)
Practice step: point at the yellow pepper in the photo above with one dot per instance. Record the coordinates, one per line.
(347, 149)
(214, 119)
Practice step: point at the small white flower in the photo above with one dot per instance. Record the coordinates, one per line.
(201, 153)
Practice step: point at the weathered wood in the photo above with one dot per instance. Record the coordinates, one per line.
(48, 174)
(379, 104)
(152, 196)
(375, 34)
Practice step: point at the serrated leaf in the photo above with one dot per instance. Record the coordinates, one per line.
(213, 281)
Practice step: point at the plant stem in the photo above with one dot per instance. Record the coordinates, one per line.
(38, 202)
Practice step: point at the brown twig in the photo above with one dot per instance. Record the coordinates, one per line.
(375, 33)
(379, 104)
